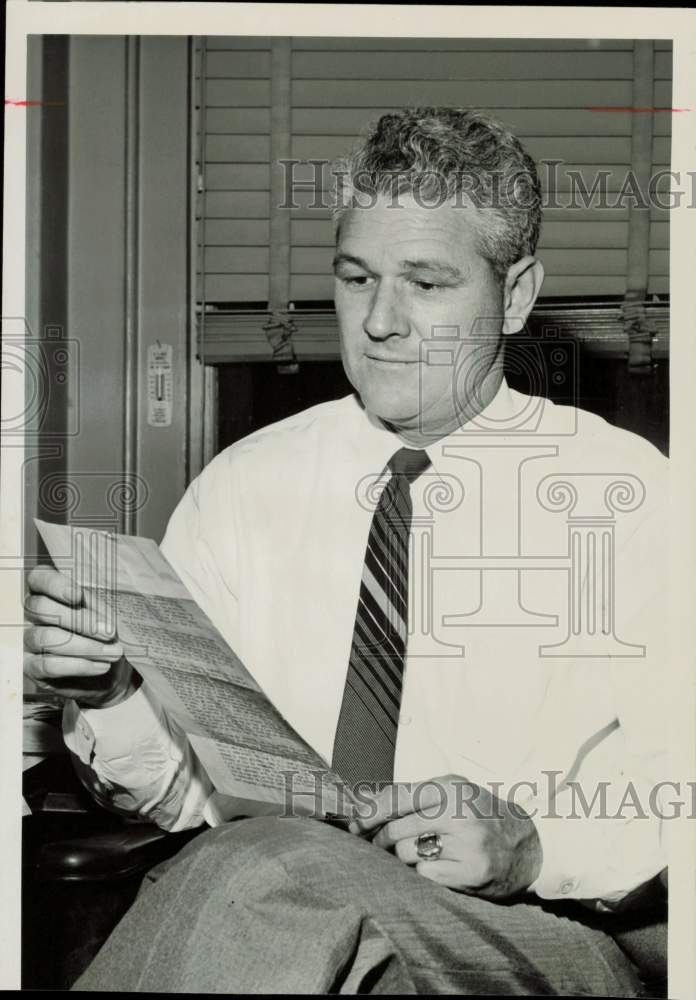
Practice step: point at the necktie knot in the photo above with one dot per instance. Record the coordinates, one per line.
(409, 462)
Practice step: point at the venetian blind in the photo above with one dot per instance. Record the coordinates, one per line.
(568, 100)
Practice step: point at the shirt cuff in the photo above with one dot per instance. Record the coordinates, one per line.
(598, 858)
(117, 729)
(559, 877)
(136, 762)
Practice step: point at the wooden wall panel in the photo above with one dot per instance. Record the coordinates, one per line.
(128, 137)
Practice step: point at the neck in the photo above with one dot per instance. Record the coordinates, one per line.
(423, 435)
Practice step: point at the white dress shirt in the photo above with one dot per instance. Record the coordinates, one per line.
(517, 670)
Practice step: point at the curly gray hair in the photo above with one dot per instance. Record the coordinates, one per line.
(442, 154)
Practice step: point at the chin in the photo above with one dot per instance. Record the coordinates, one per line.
(389, 407)
(390, 398)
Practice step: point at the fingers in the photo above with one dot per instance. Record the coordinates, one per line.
(69, 678)
(51, 670)
(54, 600)
(69, 649)
(51, 582)
(44, 610)
(405, 829)
(472, 875)
(406, 850)
(49, 640)
(461, 864)
(444, 872)
(91, 683)
(397, 800)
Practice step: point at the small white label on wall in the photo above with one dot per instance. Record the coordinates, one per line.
(159, 385)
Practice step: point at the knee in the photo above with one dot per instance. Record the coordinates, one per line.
(253, 847)
(270, 837)
(303, 849)
(310, 851)
(257, 857)
(292, 837)
(296, 843)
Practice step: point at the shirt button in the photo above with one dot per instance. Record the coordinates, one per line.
(568, 886)
(405, 720)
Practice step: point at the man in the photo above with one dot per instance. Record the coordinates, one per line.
(507, 657)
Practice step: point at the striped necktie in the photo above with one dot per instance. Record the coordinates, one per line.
(367, 724)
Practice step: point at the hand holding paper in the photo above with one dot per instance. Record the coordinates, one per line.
(255, 760)
(68, 651)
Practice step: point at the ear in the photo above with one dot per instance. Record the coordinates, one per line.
(522, 285)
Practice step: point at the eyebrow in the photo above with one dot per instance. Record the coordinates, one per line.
(433, 265)
(347, 258)
(427, 264)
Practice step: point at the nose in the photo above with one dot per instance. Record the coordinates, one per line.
(385, 317)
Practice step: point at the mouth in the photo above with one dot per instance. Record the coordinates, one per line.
(399, 362)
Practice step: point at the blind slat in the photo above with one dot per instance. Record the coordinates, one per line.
(237, 93)
(663, 66)
(237, 148)
(659, 263)
(465, 66)
(238, 120)
(659, 235)
(565, 178)
(589, 149)
(236, 205)
(236, 260)
(237, 232)
(524, 122)
(237, 176)
(477, 93)
(663, 95)
(236, 288)
(469, 44)
(256, 64)
(661, 150)
(237, 43)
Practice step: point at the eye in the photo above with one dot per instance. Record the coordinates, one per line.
(426, 286)
(354, 280)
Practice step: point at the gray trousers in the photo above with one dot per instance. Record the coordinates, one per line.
(295, 906)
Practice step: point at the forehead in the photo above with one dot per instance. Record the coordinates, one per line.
(398, 231)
